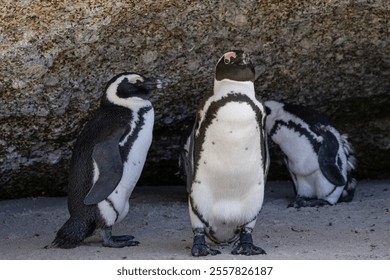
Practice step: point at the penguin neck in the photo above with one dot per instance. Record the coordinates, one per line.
(226, 86)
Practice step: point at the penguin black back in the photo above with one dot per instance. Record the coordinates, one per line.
(309, 115)
(102, 123)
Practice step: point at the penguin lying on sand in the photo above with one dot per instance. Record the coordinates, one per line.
(107, 161)
(320, 159)
(225, 160)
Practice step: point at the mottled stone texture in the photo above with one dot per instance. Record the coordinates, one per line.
(56, 57)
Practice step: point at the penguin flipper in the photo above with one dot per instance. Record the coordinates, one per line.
(327, 159)
(109, 164)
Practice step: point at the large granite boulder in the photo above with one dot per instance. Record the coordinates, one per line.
(56, 57)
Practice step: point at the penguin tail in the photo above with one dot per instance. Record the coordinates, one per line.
(72, 233)
(349, 189)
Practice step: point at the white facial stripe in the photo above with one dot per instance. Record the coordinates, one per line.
(112, 89)
(133, 103)
(132, 78)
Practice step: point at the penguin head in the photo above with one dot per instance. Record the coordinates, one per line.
(236, 66)
(125, 88)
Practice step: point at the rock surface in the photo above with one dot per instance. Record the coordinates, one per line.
(57, 56)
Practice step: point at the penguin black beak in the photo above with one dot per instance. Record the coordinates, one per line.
(243, 58)
(246, 59)
(151, 84)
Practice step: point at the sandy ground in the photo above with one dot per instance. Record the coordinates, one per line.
(158, 218)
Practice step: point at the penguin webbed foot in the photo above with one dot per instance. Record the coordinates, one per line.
(304, 202)
(200, 247)
(119, 241)
(245, 245)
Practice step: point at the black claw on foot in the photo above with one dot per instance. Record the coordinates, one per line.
(245, 245)
(303, 202)
(200, 247)
(247, 249)
(117, 241)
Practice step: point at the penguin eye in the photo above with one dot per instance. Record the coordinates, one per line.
(227, 57)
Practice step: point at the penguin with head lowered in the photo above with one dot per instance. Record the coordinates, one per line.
(319, 158)
(107, 161)
(225, 160)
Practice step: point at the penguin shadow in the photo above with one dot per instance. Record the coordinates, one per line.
(279, 193)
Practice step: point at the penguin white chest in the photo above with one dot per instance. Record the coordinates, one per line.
(229, 183)
(231, 146)
(116, 206)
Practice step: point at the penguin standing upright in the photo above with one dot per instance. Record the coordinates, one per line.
(320, 160)
(107, 161)
(226, 160)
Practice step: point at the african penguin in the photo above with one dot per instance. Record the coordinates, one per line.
(107, 161)
(225, 160)
(319, 158)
